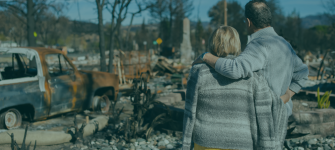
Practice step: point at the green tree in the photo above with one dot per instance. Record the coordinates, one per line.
(324, 34)
(169, 14)
(205, 36)
(2, 37)
(278, 17)
(28, 11)
(318, 39)
(199, 36)
(176, 37)
(48, 28)
(142, 36)
(235, 18)
(292, 30)
(165, 31)
(329, 5)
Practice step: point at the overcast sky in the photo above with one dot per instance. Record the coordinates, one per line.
(87, 9)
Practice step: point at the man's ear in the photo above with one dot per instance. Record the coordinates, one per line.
(249, 22)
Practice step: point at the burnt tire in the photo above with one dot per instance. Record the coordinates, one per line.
(10, 119)
(101, 104)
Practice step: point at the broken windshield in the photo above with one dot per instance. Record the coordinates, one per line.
(16, 65)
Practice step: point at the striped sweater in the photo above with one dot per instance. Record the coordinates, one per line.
(268, 51)
(232, 113)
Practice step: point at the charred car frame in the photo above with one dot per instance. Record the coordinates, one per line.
(36, 83)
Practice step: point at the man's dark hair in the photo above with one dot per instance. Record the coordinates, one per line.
(259, 13)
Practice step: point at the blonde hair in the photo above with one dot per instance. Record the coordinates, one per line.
(224, 41)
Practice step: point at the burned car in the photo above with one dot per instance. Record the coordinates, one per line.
(36, 83)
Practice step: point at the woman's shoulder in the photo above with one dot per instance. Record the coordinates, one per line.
(198, 70)
(200, 67)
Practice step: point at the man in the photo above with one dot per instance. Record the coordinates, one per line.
(266, 51)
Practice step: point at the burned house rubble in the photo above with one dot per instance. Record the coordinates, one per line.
(45, 93)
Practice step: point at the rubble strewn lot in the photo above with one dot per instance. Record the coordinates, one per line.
(161, 138)
(311, 133)
(160, 125)
(304, 102)
(108, 138)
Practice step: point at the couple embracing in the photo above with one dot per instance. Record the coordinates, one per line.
(241, 100)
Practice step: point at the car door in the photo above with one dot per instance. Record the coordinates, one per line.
(62, 84)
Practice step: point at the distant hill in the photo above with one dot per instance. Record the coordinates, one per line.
(88, 27)
(313, 20)
(79, 27)
(137, 27)
(193, 24)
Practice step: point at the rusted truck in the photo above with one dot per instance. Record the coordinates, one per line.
(37, 83)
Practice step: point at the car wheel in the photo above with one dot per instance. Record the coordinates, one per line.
(10, 119)
(101, 104)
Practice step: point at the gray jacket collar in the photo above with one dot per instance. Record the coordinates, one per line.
(266, 31)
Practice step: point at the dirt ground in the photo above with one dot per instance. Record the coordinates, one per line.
(52, 147)
(305, 103)
(62, 122)
(58, 123)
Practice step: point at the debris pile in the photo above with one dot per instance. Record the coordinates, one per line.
(321, 68)
(164, 66)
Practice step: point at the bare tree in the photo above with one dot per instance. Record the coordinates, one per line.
(111, 42)
(48, 25)
(118, 10)
(12, 27)
(26, 10)
(100, 5)
(158, 10)
(49, 28)
(169, 12)
(140, 9)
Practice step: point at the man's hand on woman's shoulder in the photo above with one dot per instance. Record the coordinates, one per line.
(197, 61)
(208, 58)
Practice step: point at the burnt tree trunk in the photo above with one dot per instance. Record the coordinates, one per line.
(170, 23)
(111, 52)
(128, 31)
(101, 36)
(118, 28)
(111, 42)
(30, 23)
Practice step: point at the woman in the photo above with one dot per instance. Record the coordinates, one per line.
(223, 113)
